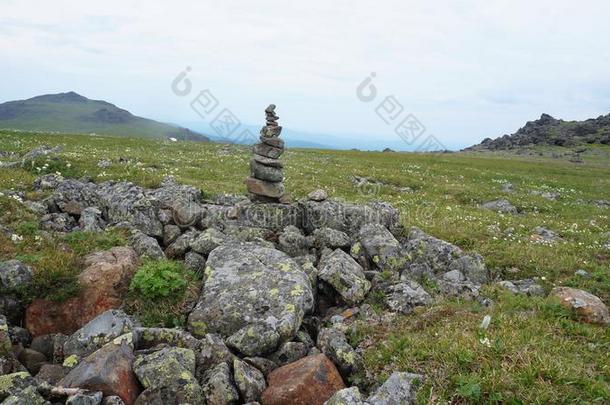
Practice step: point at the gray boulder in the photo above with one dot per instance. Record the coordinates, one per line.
(91, 220)
(97, 332)
(170, 234)
(431, 257)
(14, 275)
(246, 284)
(527, 287)
(333, 343)
(400, 388)
(172, 368)
(250, 381)
(501, 205)
(194, 262)
(181, 245)
(381, 247)
(346, 217)
(345, 275)
(331, 238)
(346, 396)
(218, 386)
(86, 398)
(289, 352)
(57, 222)
(207, 241)
(404, 296)
(146, 246)
(293, 242)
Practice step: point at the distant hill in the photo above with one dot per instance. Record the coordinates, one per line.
(550, 131)
(72, 113)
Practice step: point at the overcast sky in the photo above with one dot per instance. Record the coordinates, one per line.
(466, 69)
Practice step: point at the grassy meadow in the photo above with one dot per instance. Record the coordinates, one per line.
(533, 351)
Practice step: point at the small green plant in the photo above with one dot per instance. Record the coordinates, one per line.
(162, 279)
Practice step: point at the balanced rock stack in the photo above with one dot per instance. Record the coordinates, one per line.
(265, 183)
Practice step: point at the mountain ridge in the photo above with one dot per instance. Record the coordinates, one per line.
(548, 130)
(71, 112)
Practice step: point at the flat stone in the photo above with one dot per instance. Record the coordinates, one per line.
(273, 141)
(271, 132)
(268, 161)
(318, 195)
(266, 173)
(267, 150)
(264, 188)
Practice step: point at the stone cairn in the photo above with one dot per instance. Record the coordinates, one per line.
(265, 183)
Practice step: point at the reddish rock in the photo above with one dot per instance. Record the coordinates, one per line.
(108, 370)
(587, 306)
(309, 381)
(104, 283)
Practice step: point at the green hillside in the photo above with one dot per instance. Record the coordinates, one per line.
(73, 113)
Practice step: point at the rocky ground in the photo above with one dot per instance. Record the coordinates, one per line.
(551, 131)
(272, 295)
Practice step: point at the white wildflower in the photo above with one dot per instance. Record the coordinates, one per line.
(16, 238)
(485, 342)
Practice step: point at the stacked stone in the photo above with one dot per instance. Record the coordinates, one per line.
(266, 180)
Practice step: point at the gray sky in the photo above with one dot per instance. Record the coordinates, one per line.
(467, 69)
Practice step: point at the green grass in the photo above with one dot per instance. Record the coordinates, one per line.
(538, 354)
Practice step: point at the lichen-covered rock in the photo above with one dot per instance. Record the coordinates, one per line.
(333, 343)
(309, 381)
(346, 396)
(207, 241)
(346, 217)
(331, 238)
(14, 275)
(146, 246)
(194, 262)
(181, 245)
(13, 384)
(404, 296)
(254, 339)
(586, 306)
(381, 247)
(525, 287)
(108, 370)
(293, 242)
(213, 351)
(246, 284)
(146, 338)
(317, 195)
(501, 205)
(97, 332)
(170, 234)
(114, 400)
(289, 352)
(345, 275)
(250, 382)
(400, 388)
(261, 363)
(85, 398)
(218, 386)
(172, 368)
(265, 172)
(91, 220)
(5, 339)
(431, 257)
(27, 396)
